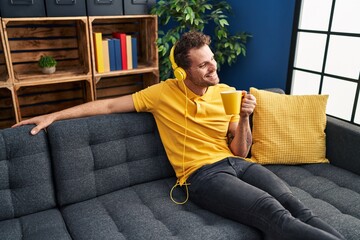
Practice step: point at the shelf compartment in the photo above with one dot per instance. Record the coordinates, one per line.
(110, 87)
(8, 115)
(47, 98)
(66, 39)
(143, 27)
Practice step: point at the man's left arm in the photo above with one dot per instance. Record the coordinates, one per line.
(240, 137)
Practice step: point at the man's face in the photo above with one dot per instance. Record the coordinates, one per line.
(202, 72)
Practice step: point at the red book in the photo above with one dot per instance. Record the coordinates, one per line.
(122, 37)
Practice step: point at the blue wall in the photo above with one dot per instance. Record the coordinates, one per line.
(266, 64)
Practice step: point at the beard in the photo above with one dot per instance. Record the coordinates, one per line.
(210, 79)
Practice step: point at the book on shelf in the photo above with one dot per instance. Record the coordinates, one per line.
(117, 52)
(129, 52)
(99, 59)
(122, 37)
(112, 60)
(105, 45)
(134, 52)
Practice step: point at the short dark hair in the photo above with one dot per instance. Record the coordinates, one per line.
(188, 41)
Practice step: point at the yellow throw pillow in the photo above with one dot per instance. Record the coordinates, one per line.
(288, 129)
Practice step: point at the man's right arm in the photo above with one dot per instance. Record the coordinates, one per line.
(107, 106)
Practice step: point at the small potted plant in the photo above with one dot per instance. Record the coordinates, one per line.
(47, 64)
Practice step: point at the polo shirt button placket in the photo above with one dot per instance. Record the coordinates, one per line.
(200, 110)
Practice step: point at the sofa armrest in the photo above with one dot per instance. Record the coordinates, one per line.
(342, 144)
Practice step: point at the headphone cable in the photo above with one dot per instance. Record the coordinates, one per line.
(183, 156)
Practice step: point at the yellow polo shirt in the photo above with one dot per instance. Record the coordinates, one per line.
(203, 130)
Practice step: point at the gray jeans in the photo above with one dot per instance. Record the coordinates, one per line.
(251, 194)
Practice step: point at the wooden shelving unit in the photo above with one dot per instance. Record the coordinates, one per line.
(26, 92)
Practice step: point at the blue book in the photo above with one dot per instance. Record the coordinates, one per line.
(117, 51)
(112, 55)
(134, 52)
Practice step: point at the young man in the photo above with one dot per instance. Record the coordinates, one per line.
(194, 128)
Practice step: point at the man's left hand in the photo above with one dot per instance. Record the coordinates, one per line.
(248, 105)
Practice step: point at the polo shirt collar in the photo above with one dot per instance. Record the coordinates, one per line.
(191, 95)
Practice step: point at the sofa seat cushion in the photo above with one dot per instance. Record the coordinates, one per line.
(145, 211)
(45, 225)
(331, 192)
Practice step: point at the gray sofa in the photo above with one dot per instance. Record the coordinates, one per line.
(107, 177)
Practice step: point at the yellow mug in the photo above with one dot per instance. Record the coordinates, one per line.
(232, 101)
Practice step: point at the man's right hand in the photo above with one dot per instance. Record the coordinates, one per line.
(41, 122)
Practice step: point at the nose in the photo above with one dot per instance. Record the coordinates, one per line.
(213, 65)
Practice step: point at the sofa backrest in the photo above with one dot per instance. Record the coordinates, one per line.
(98, 155)
(26, 184)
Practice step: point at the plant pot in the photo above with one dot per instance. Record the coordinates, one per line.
(48, 70)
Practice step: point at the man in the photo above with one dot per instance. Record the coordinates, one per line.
(194, 128)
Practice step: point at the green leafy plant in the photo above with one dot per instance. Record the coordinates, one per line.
(47, 61)
(179, 16)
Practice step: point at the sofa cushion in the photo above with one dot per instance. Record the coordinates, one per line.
(26, 184)
(145, 211)
(288, 129)
(45, 225)
(102, 154)
(331, 192)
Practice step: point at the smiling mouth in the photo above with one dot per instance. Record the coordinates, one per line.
(211, 75)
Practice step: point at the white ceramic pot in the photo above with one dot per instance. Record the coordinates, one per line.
(48, 70)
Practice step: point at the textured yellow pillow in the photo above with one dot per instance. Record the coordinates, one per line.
(288, 129)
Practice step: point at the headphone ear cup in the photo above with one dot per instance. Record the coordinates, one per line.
(180, 73)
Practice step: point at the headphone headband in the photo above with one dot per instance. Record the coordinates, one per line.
(179, 72)
(172, 58)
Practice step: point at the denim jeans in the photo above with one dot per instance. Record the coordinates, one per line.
(251, 194)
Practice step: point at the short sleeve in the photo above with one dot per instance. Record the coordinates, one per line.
(146, 99)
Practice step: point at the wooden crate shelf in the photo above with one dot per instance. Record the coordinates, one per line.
(43, 99)
(8, 116)
(66, 39)
(144, 28)
(110, 87)
(4, 63)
